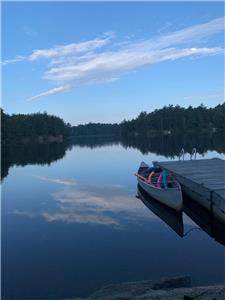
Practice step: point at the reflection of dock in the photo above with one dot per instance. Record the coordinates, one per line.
(203, 180)
(168, 215)
(205, 219)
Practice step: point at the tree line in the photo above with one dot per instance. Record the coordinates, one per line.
(173, 119)
(169, 119)
(31, 127)
(91, 129)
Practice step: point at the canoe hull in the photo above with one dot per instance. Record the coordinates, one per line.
(170, 197)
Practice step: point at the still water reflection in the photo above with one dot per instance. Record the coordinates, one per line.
(71, 222)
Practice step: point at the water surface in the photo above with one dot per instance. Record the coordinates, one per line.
(71, 222)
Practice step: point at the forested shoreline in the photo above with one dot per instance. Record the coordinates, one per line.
(169, 119)
(41, 127)
(37, 127)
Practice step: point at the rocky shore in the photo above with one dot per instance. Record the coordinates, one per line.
(179, 288)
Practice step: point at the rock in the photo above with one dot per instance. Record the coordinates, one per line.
(123, 289)
(166, 289)
(172, 283)
(130, 290)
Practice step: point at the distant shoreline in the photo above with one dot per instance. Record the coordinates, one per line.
(169, 120)
(60, 138)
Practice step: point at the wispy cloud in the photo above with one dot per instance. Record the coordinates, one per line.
(100, 60)
(72, 49)
(51, 92)
(13, 60)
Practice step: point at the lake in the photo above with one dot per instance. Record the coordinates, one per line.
(71, 221)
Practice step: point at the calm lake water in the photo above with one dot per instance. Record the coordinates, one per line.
(71, 222)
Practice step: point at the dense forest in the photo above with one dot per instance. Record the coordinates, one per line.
(32, 127)
(95, 129)
(169, 119)
(174, 119)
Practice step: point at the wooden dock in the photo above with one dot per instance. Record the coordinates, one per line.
(203, 180)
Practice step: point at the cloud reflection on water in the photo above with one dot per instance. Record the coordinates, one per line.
(109, 205)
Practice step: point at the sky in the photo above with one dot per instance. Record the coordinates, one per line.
(106, 62)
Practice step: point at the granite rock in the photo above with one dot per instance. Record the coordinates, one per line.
(165, 289)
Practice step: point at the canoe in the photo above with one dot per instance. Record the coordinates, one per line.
(170, 195)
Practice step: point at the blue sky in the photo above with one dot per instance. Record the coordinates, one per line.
(103, 62)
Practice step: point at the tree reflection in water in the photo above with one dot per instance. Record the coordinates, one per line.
(166, 145)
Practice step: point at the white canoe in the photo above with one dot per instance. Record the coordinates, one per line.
(170, 196)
